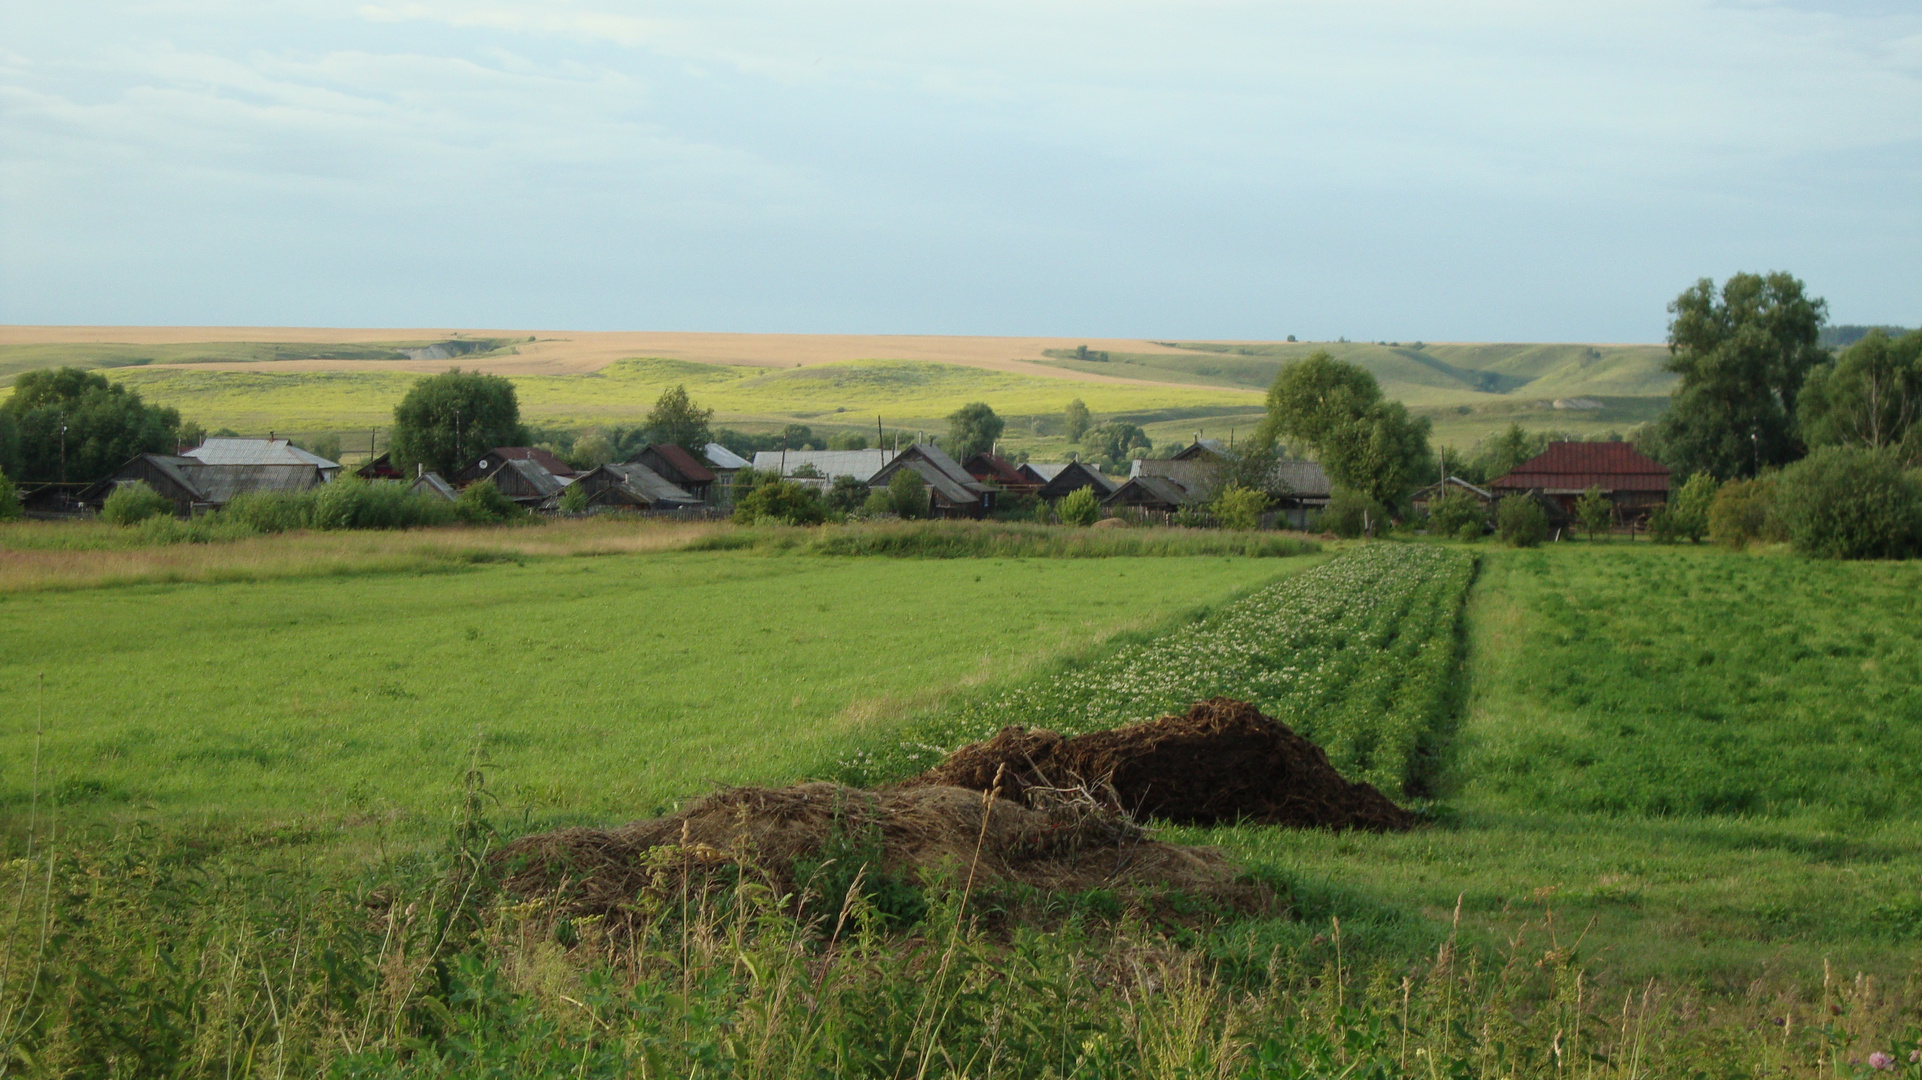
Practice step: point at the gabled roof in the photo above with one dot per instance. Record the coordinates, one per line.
(720, 457)
(987, 466)
(939, 470)
(430, 483)
(1578, 466)
(226, 451)
(1435, 489)
(643, 483)
(540, 479)
(860, 464)
(1159, 489)
(1303, 479)
(1060, 477)
(1201, 448)
(678, 459)
(534, 454)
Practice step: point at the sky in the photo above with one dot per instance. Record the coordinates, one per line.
(1476, 170)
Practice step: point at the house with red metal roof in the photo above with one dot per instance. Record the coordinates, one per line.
(1562, 473)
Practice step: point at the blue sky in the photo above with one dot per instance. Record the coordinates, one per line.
(1481, 170)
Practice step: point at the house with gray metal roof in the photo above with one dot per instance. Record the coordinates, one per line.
(818, 468)
(234, 451)
(634, 486)
(952, 492)
(194, 486)
(1056, 479)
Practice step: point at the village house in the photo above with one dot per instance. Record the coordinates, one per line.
(381, 468)
(678, 467)
(818, 468)
(1055, 480)
(194, 486)
(1421, 500)
(634, 486)
(522, 480)
(1559, 476)
(1156, 494)
(485, 466)
(1300, 489)
(952, 492)
(431, 484)
(994, 471)
(268, 451)
(725, 464)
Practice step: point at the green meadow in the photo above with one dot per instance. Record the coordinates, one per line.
(600, 686)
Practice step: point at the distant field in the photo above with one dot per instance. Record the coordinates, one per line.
(347, 381)
(603, 686)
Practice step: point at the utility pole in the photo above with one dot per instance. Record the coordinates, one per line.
(1755, 440)
(63, 453)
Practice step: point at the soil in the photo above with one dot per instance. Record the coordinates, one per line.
(1063, 845)
(1220, 762)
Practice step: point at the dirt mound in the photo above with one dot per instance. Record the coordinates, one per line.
(1222, 761)
(1060, 845)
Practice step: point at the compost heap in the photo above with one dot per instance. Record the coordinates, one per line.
(1071, 844)
(1027, 807)
(1220, 762)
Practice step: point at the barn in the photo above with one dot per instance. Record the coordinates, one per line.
(195, 486)
(678, 467)
(1054, 480)
(633, 486)
(1636, 483)
(951, 491)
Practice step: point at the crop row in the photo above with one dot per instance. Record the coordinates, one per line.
(1359, 654)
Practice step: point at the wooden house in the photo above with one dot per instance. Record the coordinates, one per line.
(633, 486)
(951, 491)
(381, 468)
(524, 481)
(1159, 494)
(725, 464)
(818, 468)
(1423, 499)
(998, 472)
(1634, 482)
(678, 467)
(491, 462)
(1053, 480)
(268, 451)
(431, 484)
(195, 486)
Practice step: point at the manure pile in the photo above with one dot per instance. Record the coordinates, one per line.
(1064, 818)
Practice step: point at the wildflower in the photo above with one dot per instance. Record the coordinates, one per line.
(1880, 1060)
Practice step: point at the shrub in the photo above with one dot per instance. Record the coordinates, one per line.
(1349, 514)
(1455, 513)
(1845, 502)
(782, 502)
(1743, 512)
(1595, 511)
(574, 499)
(878, 503)
(130, 504)
(9, 500)
(1043, 513)
(1521, 521)
(270, 511)
(846, 495)
(1471, 532)
(908, 494)
(1079, 507)
(1237, 507)
(1688, 512)
(482, 503)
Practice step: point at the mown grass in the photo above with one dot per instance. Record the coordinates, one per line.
(600, 687)
(1705, 760)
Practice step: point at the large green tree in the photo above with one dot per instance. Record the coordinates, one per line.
(676, 419)
(105, 424)
(1743, 353)
(1869, 396)
(1335, 410)
(972, 429)
(446, 421)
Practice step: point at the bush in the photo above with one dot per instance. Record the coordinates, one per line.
(1521, 521)
(574, 499)
(878, 503)
(1043, 513)
(782, 502)
(9, 500)
(1471, 532)
(1845, 502)
(1079, 507)
(270, 511)
(908, 494)
(1595, 510)
(846, 495)
(1688, 511)
(130, 504)
(1237, 507)
(1349, 514)
(482, 503)
(352, 503)
(1743, 512)
(1455, 513)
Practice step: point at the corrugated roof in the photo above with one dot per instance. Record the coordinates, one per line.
(536, 455)
(227, 451)
(1001, 471)
(537, 477)
(720, 457)
(644, 484)
(1043, 471)
(1576, 466)
(432, 484)
(219, 483)
(860, 464)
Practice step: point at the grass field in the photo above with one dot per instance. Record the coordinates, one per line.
(601, 686)
(1673, 793)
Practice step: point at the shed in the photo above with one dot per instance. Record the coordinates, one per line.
(678, 467)
(951, 491)
(1633, 481)
(996, 471)
(193, 485)
(381, 468)
(634, 486)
